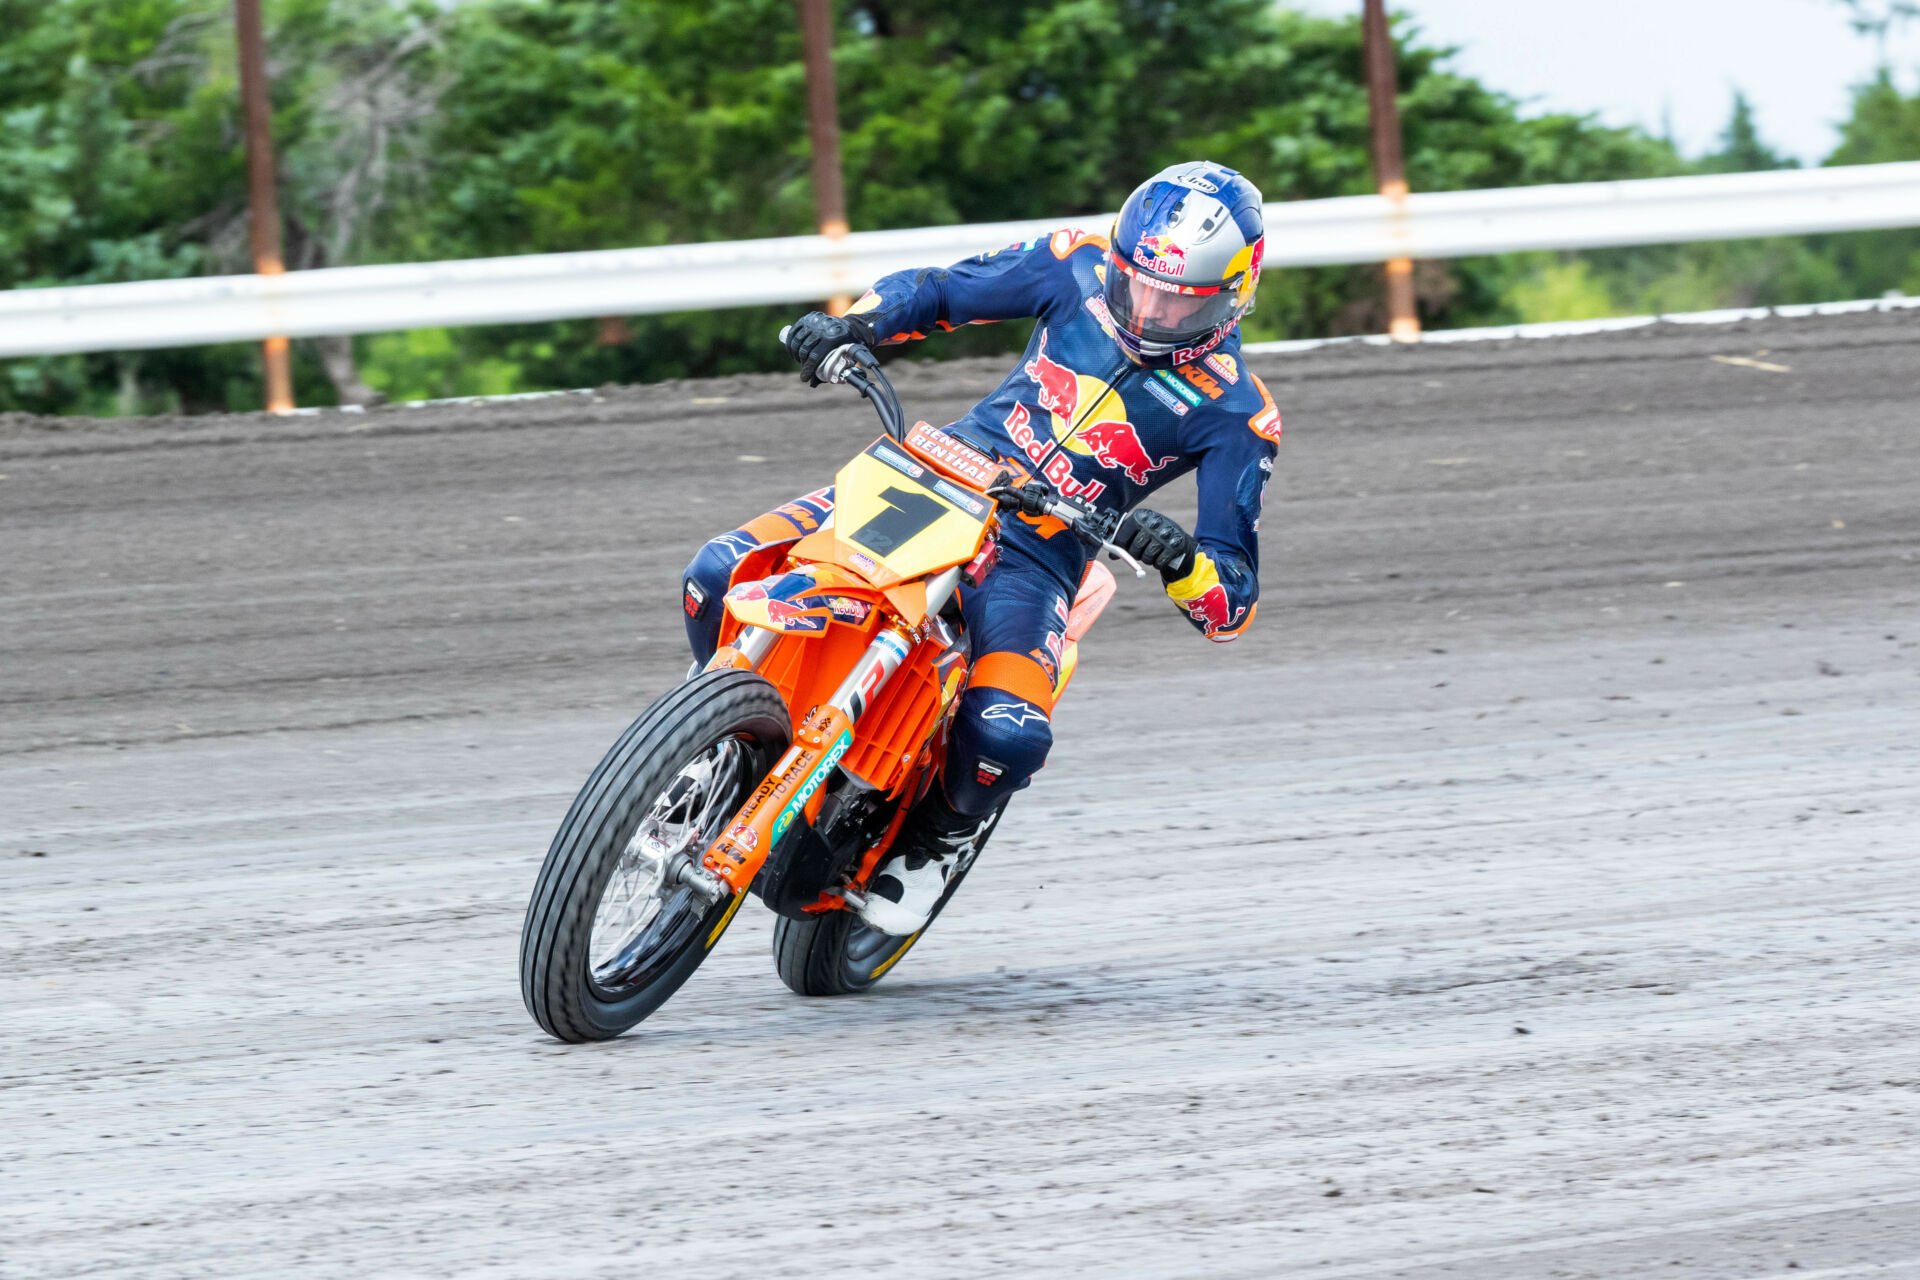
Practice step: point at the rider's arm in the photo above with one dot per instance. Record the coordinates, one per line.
(1006, 284)
(1221, 591)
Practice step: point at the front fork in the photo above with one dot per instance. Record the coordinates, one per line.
(796, 786)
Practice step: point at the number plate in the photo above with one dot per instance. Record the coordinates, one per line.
(909, 518)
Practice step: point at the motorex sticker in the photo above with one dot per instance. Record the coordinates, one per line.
(812, 784)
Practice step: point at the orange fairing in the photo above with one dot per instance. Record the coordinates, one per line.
(900, 720)
(908, 597)
(1096, 589)
(804, 600)
(807, 669)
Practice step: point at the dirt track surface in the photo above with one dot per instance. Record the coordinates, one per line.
(1532, 893)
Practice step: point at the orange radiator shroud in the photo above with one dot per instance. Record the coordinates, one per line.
(888, 736)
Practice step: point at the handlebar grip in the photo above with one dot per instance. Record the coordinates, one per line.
(785, 329)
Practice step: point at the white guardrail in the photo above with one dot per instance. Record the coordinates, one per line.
(701, 277)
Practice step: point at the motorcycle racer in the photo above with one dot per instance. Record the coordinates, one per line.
(1132, 377)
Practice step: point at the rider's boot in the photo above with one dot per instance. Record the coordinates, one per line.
(909, 884)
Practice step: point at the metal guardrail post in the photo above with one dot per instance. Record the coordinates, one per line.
(263, 205)
(1383, 110)
(823, 129)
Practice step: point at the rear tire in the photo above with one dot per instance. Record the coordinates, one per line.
(835, 953)
(572, 988)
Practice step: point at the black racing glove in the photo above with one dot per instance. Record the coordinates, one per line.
(1157, 542)
(816, 335)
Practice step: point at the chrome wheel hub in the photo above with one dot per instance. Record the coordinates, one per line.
(665, 851)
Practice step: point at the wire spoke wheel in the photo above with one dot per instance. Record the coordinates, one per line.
(614, 927)
(644, 899)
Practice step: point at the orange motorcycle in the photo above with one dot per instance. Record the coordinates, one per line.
(786, 766)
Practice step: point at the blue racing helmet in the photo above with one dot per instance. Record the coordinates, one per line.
(1184, 262)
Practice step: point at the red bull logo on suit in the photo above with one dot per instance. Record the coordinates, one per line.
(1117, 445)
(1059, 386)
(1110, 439)
(1210, 610)
(1060, 475)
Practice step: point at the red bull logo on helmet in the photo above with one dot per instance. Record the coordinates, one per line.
(1161, 254)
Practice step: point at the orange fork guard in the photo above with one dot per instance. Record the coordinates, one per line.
(795, 787)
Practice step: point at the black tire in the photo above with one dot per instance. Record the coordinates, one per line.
(835, 954)
(557, 979)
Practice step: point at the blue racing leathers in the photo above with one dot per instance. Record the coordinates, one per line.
(1126, 431)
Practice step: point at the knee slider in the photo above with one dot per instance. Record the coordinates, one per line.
(707, 578)
(1003, 731)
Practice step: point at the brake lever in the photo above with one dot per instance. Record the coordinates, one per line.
(1115, 553)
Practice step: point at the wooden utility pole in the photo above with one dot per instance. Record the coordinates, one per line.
(263, 206)
(823, 127)
(1383, 108)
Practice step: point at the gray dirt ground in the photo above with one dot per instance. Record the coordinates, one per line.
(1533, 893)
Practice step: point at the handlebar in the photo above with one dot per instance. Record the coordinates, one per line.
(859, 368)
(1090, 526)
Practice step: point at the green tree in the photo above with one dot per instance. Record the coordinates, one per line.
(1883, 128)
(122, 159)
(424, 129)
(1741, 148)
(1880, 18)
(603, 123)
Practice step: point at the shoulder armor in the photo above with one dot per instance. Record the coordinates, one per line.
(1064, 242)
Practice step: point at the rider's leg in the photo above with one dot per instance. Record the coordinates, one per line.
(750, 548)
(1016, 627)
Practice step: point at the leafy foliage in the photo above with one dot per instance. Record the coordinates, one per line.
(421, 129)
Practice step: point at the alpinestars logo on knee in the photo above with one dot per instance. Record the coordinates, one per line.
(1019, 713)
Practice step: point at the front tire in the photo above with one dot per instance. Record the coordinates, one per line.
(610, 934)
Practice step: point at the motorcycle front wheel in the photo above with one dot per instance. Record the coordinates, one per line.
(611, 932)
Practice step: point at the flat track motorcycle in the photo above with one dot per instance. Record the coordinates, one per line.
(786, 766)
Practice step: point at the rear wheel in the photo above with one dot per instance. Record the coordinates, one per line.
(835, 953)
(612, 929)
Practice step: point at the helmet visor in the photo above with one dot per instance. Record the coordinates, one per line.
(1161, 313)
